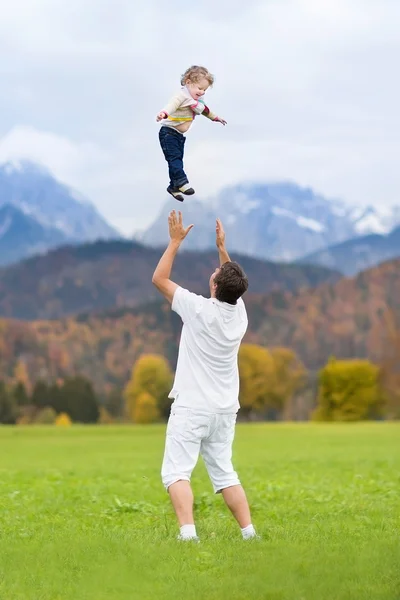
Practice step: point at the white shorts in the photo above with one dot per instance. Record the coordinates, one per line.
(189, 434)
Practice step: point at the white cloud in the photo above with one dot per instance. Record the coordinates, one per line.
(62, 156)
(308, 88)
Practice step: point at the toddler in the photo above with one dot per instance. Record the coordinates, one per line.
(176, 118)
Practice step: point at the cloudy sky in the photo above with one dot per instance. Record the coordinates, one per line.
(310, 90)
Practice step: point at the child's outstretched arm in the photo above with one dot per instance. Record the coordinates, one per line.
(207, 113)
(201, 109)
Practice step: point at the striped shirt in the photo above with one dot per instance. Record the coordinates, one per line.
(182, 108)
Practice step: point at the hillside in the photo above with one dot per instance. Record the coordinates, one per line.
(101, 275)
(357, 254)
(346, 319)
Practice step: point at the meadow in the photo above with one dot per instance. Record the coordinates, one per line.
(83, 516)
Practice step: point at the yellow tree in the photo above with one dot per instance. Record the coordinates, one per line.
(269, 379)
(63, 420)
(255, 370)
(152, 375)
(21, 375)
(289, 378)
(146, 410)
(349, 390)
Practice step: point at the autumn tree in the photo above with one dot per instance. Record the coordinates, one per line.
(63, 420)
(289, 378)
(349, 391)
(255, 368)
(269, 379)
(46, 416)
(152, 375)
(146, 409)
(21, 375)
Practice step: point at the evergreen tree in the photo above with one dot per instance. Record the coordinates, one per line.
(20, 395)
(8, 407)
(79, 400)
(40, 394)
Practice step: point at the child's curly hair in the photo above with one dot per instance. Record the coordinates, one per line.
(194, 73)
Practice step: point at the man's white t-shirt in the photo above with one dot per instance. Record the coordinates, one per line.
(207, 374)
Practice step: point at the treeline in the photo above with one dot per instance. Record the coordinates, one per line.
(72, 400)
(274, 385)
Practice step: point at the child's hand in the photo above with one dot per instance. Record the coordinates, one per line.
(220, 120)
(162, 115)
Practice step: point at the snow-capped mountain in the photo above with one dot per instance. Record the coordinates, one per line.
(20, 235)
(48, 211)
(278, 221)
(34, 191)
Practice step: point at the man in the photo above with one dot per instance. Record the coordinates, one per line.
(206, 386)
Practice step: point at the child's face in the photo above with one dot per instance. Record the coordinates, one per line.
(197, 89)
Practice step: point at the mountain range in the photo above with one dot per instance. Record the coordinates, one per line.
(269, 221)
(37, 212)
(276, 221)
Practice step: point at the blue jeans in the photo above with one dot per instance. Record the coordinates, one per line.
(173, 145)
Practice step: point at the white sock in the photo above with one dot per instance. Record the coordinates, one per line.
(248, 532)
(184, 187)
(188, 531)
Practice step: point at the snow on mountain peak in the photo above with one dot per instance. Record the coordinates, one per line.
(283, 212)
(367, 219)
(249, 206)
(310, 224)
(301, 221)
(13, 166)
(5, 226)
(23, 167)
(370, 223)
(340, 210)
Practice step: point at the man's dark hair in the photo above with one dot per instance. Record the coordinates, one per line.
(231, 282)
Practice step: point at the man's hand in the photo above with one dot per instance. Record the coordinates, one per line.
(220, 234)
(161, 115)
(220, 120)
(220, 241)
(177, 231)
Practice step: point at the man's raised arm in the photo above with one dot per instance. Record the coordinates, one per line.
(161, 276)
(220, 241)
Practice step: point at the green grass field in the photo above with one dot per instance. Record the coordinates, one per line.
(83, 516)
